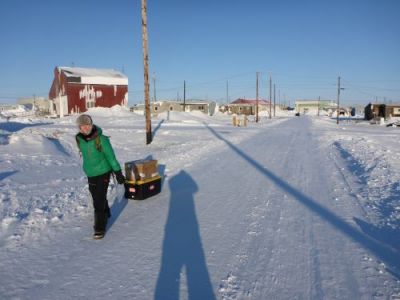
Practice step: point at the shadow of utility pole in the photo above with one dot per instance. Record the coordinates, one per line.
(386, 253)
(182, 247)
(158, 127)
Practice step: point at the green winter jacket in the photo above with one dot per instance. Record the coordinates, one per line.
(97, 154)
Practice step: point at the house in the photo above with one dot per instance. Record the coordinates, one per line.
(11, 110)
(75, 90)
(189, 105)
(314, 107)
(379, 110)
(164, 106)
(246, 107)
(8, 107)
(200, 105)
(39, 104)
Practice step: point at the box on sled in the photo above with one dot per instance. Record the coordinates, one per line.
(142, 169)
(142, 189)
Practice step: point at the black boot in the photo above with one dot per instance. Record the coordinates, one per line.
(100, 223)
(98, 235)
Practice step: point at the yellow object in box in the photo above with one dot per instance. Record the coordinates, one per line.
(141, 169)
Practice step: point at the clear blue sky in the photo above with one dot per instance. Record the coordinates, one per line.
(303, 45)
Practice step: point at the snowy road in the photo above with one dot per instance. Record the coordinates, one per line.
(270, 217)
(301, 241)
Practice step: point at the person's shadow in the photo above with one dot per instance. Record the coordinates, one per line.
(182, 247)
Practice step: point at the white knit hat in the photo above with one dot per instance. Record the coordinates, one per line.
(84, 120)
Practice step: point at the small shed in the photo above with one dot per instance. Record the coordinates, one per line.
(75, 90)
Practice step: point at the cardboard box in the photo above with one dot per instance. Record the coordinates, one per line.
(143, 189)
(141, 169)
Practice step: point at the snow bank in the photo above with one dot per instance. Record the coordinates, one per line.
(367, 154)
(115, 111)
(20, 111)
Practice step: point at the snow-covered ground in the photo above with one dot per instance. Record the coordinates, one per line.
(289, 208)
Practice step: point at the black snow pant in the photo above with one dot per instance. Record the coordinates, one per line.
(98, 186)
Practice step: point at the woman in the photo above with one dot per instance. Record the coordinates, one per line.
(99, 162)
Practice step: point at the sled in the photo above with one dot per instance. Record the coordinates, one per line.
(142, 189)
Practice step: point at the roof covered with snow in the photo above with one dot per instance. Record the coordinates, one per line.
(250, 101)
(94, 76)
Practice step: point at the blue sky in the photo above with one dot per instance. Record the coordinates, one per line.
(303, 45)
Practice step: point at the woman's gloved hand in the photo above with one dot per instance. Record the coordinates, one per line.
(120, 177)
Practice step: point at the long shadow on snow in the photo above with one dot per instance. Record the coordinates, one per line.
(58, 146)
(386, 206)
(353, 165)
(385, 234)
(16, 126)
(182, 247)
(390, 256)
(4, 175)
(157, 127)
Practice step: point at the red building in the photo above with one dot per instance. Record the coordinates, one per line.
(75, 90)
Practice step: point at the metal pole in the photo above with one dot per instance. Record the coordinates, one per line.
(149, 136)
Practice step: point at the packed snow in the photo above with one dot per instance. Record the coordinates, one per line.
(287, 208)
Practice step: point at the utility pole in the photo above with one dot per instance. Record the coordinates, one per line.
(149, 136)
(270, 96)
(338, 97)
(154, 87)
(227, 92)
(274, 100)
(61, 107)
(257, 97)
(184, 95)
(279, 99)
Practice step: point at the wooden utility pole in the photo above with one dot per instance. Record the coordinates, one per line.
(338, 106)
(61, 102)
(227, 92)
(184, 95)
(279, 99)
(149, 136)
(257, 97)
(274, 100)
(154, 87)
(270, 96)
